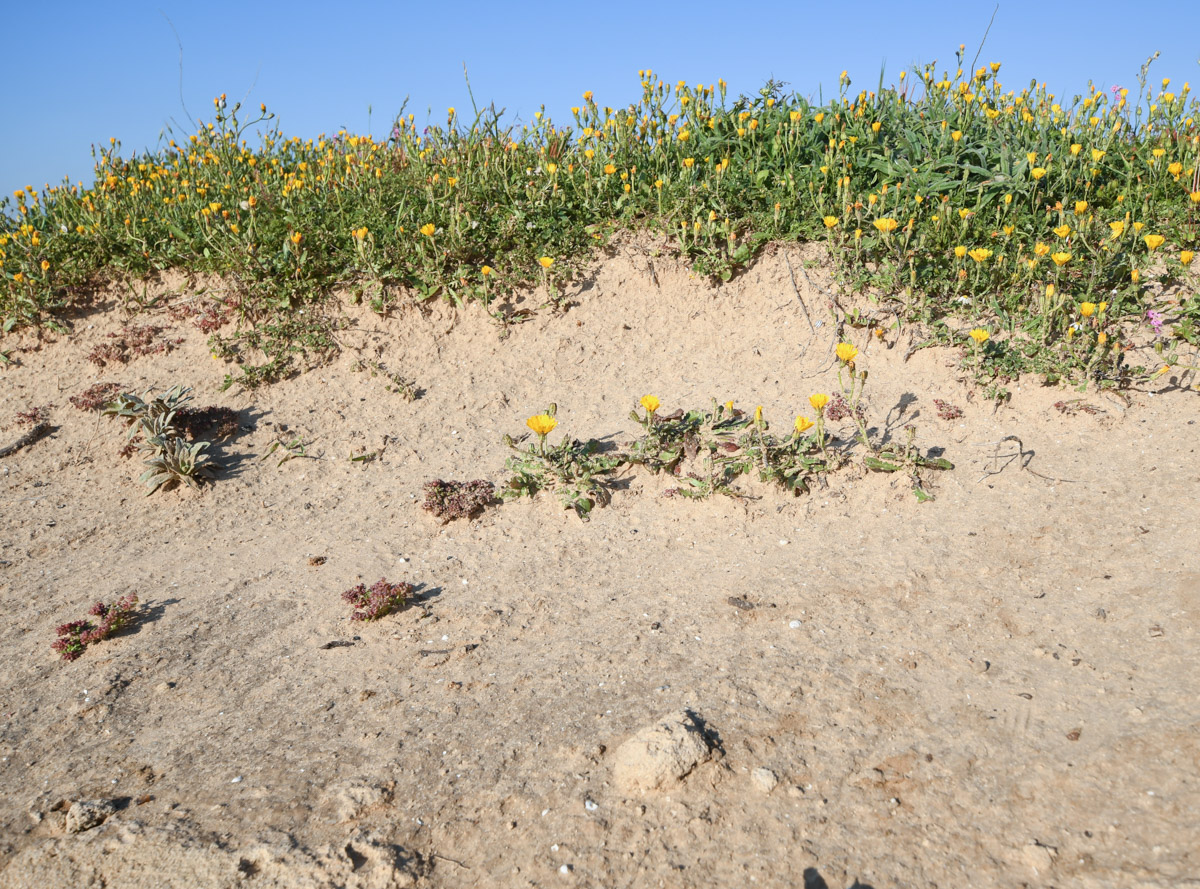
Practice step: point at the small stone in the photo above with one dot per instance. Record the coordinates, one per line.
(764, 779)
(660, 754)
(565, 870)
(237, 780)
(590, 805)
(795, 624)
(1039, 857)
(86, 814)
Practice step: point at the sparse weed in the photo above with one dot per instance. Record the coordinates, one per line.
(574, 470)
(449, 500)
(76, 636)
(95, 398)
(168, 457)
(381, 599)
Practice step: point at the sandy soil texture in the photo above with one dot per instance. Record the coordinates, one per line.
(846, 688)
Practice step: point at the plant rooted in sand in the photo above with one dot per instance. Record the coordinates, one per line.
(449, 500)
(574, 470)
(169, 458)
(380, 599)
(77, 635)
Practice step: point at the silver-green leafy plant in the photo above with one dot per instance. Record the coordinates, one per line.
(169, 457)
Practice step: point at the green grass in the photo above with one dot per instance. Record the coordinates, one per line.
(893, 180)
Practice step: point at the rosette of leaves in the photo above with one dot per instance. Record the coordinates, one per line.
(378, 600)
(169, 458)
(173, 460)
(454, 499)
(576, 471)
(790, 463)
(671, 439)
(76, 636)
(907, 458)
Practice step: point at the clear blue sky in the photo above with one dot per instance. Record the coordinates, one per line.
(82, 72)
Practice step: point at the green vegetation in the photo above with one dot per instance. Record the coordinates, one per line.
(945, 195)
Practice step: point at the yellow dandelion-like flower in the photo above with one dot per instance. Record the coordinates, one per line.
(297, 237)
(886, 225)
(428, 229)
(1087, 310)
(1037, 172)
(1041, 249)
(979, 335)
(980, 254)
(1154, 241)
(846, 352)
(1080, 207)
(1186, 256)
(486, 271)
(960, 251)
(803, 424)
(1118, 228)
(46, 265)
(689, 162)
(1076, 148)
(650, 403)
(1061, 259)
(542, 424)
(818, 401)
(830, 221)
(545, 261)
(1097, 154)
(1062, 231)
(609, 169)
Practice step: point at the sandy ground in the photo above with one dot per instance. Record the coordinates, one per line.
(995, 688)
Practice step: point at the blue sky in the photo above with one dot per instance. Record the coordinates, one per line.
(82, 72)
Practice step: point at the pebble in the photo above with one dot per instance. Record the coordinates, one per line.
(795, 624)
(565, 870)
(237, 780)
(590, 805)
(764, 779)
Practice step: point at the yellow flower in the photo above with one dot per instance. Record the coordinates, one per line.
(1080, 207)
(46, 265)
(19, 277)
(1037, 172)
(1118, 228)
(960, 251)
(803, 424)
(1041, 249)
(1096, 155)
(818, 401)
(956, 135)
(542, 424)
(886, 224)
(296, 237)
(819, 116)
(857, 233)
(1134, 275)
(650, 403)
(1102, 307)
(1087, 309)
(1076, 148)
(689, 161)
(846, 352)
(875, 127)
(1062, 231)
(831, 221)
(964, 213)
(1154, 241)
(545, 262)
(1194, 197)
(486, 271)
(979, 335)
(1031, 157)
(1175, 169)
(1138, 226)
(428, 229)
(1061, 259)
(1186, 256)
(980, 254)
(609, 169)
(758, 414)
(1049, 291)
(1158, 152)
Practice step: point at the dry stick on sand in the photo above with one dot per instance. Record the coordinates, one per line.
(27, 439)
(1019, 455)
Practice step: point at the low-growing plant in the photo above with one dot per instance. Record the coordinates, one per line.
(35, 416)
(380, 599)
(169, 458)
(574, 470)
(449, 500)
(95, 398)
(217, 420)
(397, 383)
(131, 342)
(76, 636)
